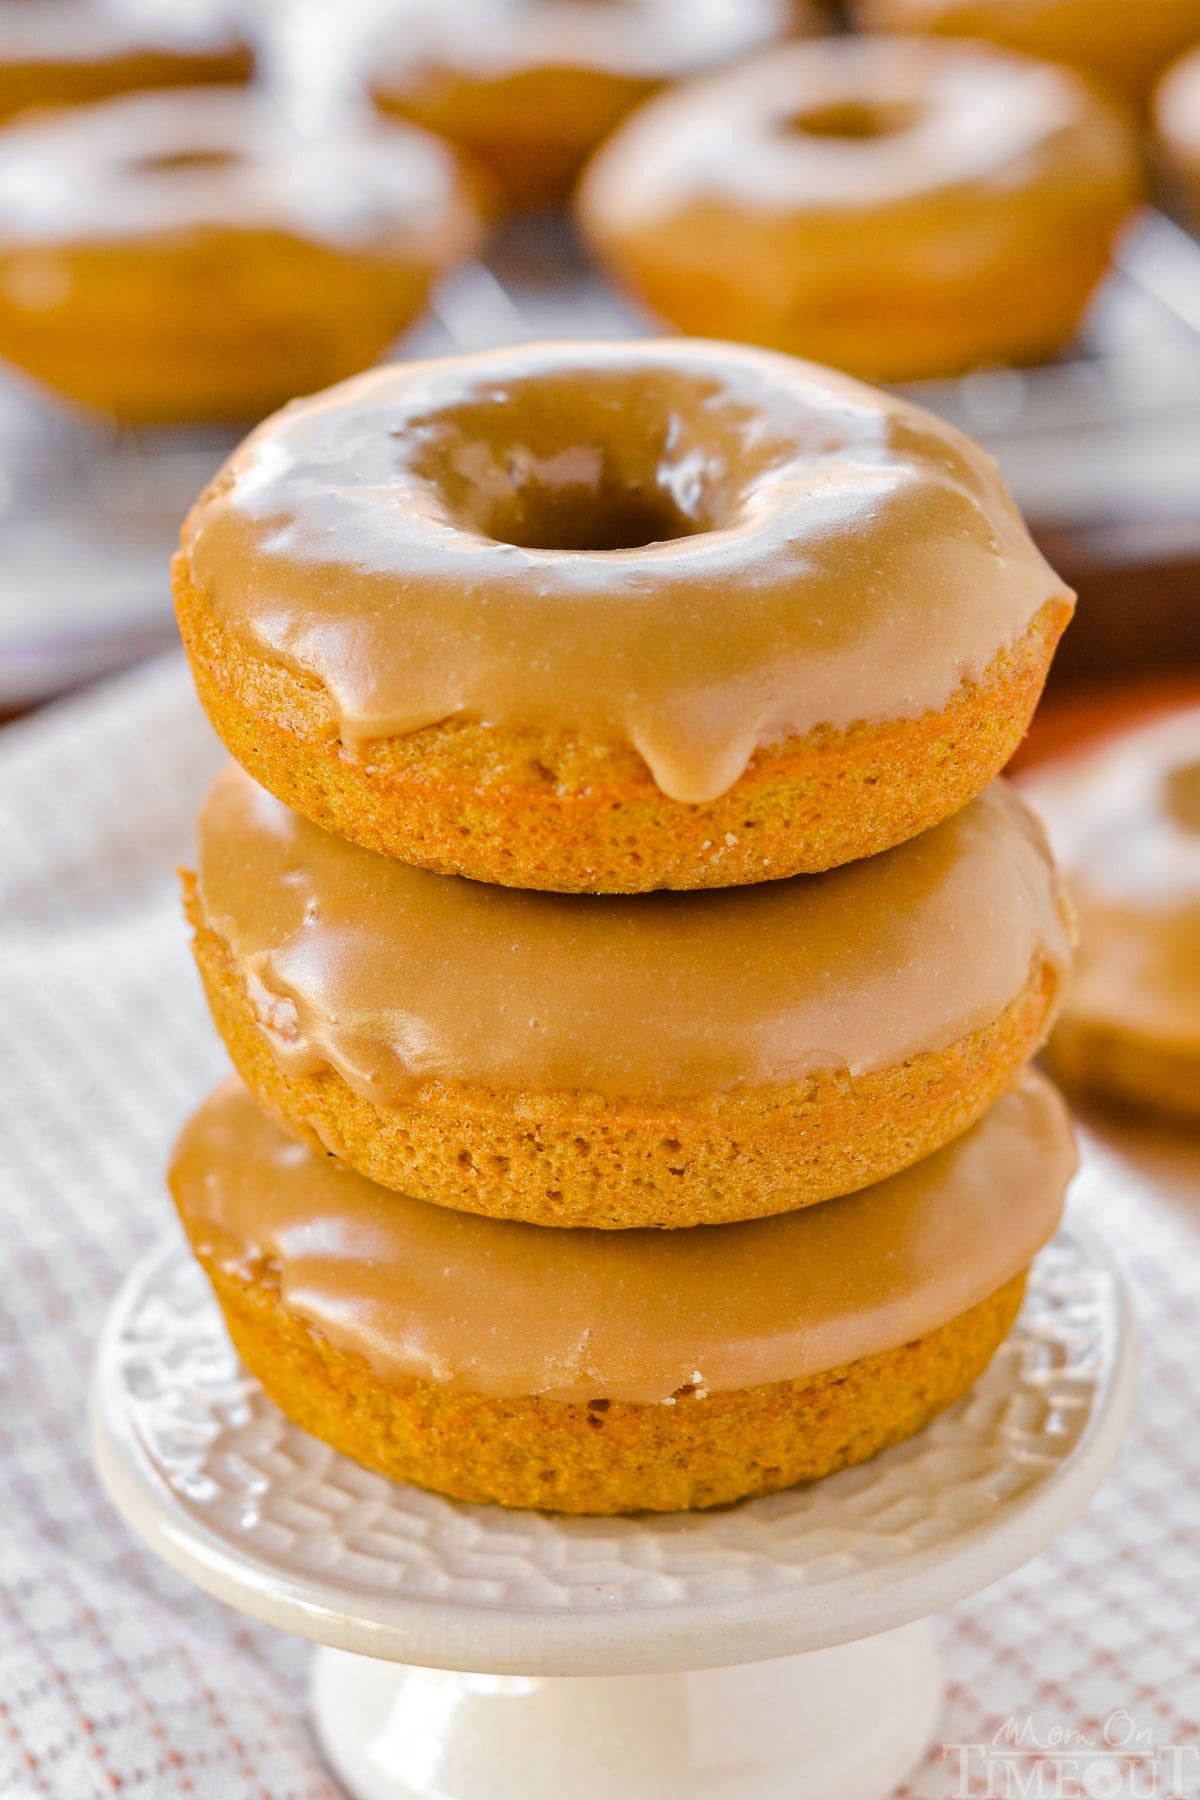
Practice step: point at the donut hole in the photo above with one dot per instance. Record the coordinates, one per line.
(593, 462)
(169, 161)
(856, 120)
(539, 516)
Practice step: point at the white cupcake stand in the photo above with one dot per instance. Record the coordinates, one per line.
(778, 1650)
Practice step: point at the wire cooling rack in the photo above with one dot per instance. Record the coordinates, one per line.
(1104, 441)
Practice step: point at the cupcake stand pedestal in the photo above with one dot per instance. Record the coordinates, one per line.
(779, 1650)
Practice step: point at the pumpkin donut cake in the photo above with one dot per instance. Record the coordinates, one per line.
(614, 617)
(652, 1060)
(603, 1372)
(186, 256)
(63, 52)
(1123, 43)
(1126, 822)
(903, 208)
(530, 87)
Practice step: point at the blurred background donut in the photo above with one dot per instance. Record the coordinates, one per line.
(1010, 245)
(897, 207)
(180, 257)
(1124, 43)
(530, 87)
(61, 52)
(1177, 129)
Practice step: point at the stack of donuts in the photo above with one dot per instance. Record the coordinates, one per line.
(629, 955)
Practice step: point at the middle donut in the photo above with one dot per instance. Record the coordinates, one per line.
(666, 1060)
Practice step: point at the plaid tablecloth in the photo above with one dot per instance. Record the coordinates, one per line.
(1080, 1675)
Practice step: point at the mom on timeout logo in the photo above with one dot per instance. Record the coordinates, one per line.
(1121, 1761)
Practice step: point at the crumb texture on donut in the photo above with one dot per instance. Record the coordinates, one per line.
(608, 1456)
(528, 809)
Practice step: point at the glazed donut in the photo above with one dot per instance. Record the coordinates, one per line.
(62, 52)
(675, 1060)
(901, 208)
(604, 1372)
(616, 616)
(1126, 822)
(530, 87)
(1125, 43)
(1177, 128)
(186, 256)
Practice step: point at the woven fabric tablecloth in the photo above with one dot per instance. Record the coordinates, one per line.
(117, 1676)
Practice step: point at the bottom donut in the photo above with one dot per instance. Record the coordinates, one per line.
(609, 1372)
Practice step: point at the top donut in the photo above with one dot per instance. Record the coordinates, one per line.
(614, 617)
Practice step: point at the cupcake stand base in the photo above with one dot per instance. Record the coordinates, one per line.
(781, 1648)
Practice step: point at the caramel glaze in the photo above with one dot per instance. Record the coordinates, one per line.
(1122, 43)
(652, 41)
(690, 547)
(71, 31)
(163, 165)
(1126, 823)
(843, 128)
(58, 52)
(392, 975)
(494, 1308)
